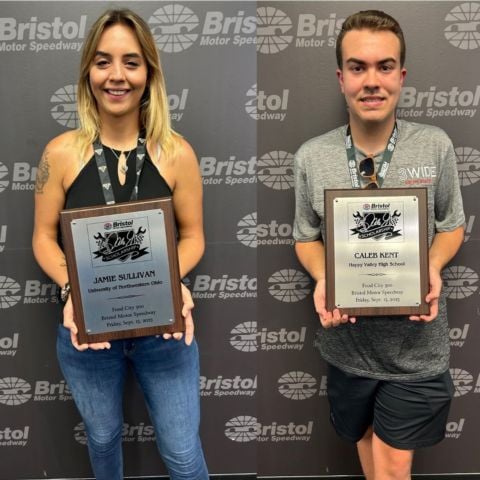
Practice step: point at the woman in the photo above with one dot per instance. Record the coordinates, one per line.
(121, 95)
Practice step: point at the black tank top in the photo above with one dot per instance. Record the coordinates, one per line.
(86, 189)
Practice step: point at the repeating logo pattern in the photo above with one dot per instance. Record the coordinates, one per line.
(462, 380)
(3, 180)
(14, 391)
(468, 165)
(243, 337)
(272, 26)
(9, 289)
(297, 385)
(275, 170)
(463, 26)
(247, 230)
(289, 285)
(261, 105)
(459, 282)
(241, 429)
(173, 27)
(64, 109)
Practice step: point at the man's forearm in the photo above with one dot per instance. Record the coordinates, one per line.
(444, 247)
(312, 256)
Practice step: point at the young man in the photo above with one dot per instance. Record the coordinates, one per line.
(388, 381)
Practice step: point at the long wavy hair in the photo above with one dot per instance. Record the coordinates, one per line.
(154, 111)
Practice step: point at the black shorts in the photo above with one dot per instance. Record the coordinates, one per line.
(405, 415)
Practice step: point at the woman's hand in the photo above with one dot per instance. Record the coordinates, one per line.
(187, 315)
(69, 322)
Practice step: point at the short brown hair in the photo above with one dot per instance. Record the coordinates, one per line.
(374, 20)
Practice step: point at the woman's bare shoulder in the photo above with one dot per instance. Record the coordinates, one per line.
(63, 145)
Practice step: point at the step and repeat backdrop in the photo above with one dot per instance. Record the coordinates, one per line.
(248, 83)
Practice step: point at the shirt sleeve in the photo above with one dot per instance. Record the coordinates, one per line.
(449, 213)
(307, 224)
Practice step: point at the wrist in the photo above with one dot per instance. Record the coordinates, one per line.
(65, 292)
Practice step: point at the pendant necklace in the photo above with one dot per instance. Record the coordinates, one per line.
(122, 164)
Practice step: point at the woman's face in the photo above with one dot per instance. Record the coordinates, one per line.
(118, 74)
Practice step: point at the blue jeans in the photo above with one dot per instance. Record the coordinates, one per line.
(168, 374)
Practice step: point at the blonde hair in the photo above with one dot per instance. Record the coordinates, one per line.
(154, 111)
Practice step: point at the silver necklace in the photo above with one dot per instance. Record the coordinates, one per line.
(123, 166)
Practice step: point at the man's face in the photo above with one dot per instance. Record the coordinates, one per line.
(371, 76)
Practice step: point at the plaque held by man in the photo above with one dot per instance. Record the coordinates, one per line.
(123, 269)
(377, 251)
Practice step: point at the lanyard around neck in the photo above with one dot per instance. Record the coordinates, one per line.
(384, 164)
(105, 175)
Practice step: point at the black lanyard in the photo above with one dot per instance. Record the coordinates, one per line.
(384, 164)
(105, 176)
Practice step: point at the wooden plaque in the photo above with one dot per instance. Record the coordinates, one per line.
(377, 251)
(123, 269)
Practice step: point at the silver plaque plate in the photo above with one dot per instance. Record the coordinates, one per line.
(123, 271)
(376, 251)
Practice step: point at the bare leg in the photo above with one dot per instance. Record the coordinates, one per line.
(390, 463)
(365, 452)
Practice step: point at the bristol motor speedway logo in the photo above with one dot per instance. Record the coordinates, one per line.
(263, 106)
(9, 292)
(297, 385)
(4, 182)
(252, 234)
(274, 29)
(275, 170)
(453, 101)
(34, 291)
(9, 345)
(459, 282)
(245, 337)
(246, 428)
(247, 230)
(64, 106)
(22, 178)
(176, 28)
(14, 437)
(463, 26)
(289, 285)
(454, 429)
(38, 35)
(224, 288)
(242, 429)
(462, 381)
(173, 27)
(233, 171)
(468, 165)
(16, 391)
(221, 386)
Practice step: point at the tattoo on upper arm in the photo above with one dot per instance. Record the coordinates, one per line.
(43, 173)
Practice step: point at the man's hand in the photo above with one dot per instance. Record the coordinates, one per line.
(435, 279)
(69, 322)
(187, 315)
(328, 319)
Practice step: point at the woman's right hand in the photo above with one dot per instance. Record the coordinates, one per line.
(69, 322)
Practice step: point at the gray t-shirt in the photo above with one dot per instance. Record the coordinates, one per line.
(383, 347)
